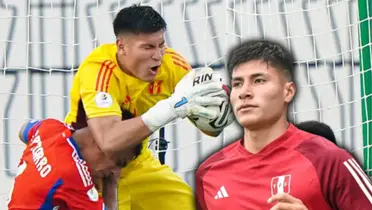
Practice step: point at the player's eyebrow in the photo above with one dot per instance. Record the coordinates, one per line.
(152, 45)
(255, 75)
(237, 79)
(252, 76)
(146, 45)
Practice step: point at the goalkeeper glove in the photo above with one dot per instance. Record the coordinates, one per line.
(188, 99)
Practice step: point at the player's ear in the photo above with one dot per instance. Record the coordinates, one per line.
(289, 91)
(120, 46)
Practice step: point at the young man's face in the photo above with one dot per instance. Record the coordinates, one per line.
(260, 94)
(141, 54)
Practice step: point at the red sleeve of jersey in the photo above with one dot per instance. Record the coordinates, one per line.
(352, 188)
(200, 174)
(344, 184)
(78, 190)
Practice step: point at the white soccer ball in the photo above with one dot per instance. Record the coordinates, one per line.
(224, 119)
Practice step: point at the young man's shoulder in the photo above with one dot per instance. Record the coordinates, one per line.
(173, 60)
(102, 53)
(53, 128)
(225, 153)
(48, 125)
(320, 150)
(52, 123)
(97, 69)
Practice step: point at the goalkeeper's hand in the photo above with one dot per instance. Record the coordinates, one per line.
(188, 99)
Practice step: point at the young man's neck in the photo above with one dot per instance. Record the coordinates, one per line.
(122, 66)
(255, 140)
(81, 138)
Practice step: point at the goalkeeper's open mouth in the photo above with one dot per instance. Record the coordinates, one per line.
(154, 69)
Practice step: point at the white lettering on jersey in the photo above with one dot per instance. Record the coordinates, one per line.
(40, 161)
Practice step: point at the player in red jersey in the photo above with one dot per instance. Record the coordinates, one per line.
(276, 165)
(58, 166)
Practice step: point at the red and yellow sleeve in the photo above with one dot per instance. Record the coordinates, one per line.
(98, 90)
(180, 65)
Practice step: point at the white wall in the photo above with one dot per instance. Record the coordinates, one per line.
(41, 39)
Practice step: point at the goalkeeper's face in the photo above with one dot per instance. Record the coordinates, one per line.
(140, 55)
(260, 94)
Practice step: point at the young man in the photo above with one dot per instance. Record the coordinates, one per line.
(141, 74)
(275, 165)
(58, 167)
(318, 128)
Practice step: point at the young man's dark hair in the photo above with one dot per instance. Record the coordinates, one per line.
(271, 52)
(318, 128)
(138, 19)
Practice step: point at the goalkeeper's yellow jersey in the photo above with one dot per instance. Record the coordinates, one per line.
(100, 74)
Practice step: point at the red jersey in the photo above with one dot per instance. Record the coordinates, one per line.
(51, 173)
(306, 166)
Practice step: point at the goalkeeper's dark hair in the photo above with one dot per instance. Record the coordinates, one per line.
(318, 128)
(270, 52)
(138, 19)
(126, 115)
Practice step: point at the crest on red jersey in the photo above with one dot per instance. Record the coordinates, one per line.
(93, 194)
(281, 184)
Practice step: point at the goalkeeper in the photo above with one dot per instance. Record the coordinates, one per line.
(57, 168)
(141, 74)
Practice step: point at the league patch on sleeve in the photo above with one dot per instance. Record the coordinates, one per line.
(103, 100)
(93, 194)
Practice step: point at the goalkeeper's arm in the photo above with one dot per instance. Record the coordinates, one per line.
(113, 135)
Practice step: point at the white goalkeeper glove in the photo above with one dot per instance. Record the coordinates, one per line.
(188, 99)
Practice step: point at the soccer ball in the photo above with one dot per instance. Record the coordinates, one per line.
(224, 119)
